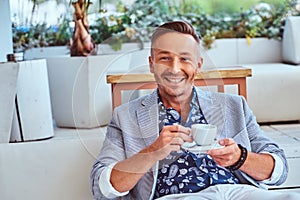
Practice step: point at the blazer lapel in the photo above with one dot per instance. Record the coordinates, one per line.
(213, 110)
(147, 116)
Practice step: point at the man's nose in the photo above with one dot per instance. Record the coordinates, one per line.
(176, 66)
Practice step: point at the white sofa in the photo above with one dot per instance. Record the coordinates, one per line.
(273, 90)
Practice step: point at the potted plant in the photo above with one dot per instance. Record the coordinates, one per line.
(82, 44)
(80, 96)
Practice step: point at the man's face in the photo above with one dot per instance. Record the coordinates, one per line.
(174, 62)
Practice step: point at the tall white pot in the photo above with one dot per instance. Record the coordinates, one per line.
(80, 96)
(8, 90)
(32, 117)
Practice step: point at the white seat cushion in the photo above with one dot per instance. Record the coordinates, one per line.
(273, 92)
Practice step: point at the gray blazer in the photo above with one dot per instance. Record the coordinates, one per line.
(135, 125)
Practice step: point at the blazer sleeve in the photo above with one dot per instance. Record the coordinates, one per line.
(260, 142)
(112, 151)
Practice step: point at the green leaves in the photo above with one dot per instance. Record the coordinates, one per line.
(136, 23)
(41, 35)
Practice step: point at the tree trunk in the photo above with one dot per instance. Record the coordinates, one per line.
(81, 44)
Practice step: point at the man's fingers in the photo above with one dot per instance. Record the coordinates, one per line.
(178, 128)
(218, 152)
(226, 142)
(186, 138)
(178, 131)
(182, 137)
(228, 148)
(177, 140)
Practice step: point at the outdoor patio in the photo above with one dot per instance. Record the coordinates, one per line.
(288, 137)
(55, 107)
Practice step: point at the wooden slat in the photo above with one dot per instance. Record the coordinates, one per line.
(129, 78)
(205, 74)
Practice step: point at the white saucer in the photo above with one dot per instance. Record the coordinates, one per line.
(193, 147)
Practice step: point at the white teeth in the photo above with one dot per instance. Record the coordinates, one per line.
(175, 80)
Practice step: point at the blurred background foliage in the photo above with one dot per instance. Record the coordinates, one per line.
(228, 6)
(135, 22)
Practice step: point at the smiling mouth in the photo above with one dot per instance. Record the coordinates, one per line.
(174, 79)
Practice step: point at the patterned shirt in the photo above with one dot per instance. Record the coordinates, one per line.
(184, 171)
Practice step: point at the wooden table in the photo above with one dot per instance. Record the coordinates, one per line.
(218, 77)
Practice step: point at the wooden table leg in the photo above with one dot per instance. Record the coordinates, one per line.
(240, 82)
(242, 89)
(116, 90)
(116, 95)
(221, 88)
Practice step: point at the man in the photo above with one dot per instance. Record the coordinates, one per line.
(142, 156)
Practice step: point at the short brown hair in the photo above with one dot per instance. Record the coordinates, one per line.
(177, 26)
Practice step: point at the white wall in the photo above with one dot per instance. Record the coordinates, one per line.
(6, 44)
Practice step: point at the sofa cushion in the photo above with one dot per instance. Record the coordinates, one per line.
(273, 92)
(291, 40)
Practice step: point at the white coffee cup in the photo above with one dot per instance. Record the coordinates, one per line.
(204, 134)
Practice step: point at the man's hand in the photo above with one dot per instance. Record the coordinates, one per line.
(170, 139)
(126, 173)
(257, 165)
(228, 155)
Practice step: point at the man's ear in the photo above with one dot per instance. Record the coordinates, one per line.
(199, 65)
(151, 65)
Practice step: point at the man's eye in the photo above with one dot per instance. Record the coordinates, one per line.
(185, 59)
(164, 58)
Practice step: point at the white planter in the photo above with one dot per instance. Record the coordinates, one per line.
(33, 118)
(80, 96)
(138, 58)
(222, 53)
(64, 51)
(8, 90)
(45, 52)
(103, 49)
(261, 50)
